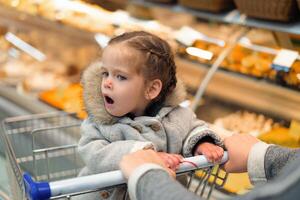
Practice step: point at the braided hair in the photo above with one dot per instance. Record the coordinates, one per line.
(158, 64)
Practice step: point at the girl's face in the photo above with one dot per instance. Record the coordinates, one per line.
(123, 88)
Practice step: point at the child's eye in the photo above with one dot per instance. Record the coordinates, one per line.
(104, 74)
(121, 78)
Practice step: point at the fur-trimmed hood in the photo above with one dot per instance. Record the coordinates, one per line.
(93, 100)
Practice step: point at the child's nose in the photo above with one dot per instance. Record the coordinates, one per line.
(108, 83)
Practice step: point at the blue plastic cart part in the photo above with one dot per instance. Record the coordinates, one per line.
(36, 190)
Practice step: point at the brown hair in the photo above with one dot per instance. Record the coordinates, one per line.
(159, 60)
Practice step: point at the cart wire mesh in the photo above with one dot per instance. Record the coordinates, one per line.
(45, 146)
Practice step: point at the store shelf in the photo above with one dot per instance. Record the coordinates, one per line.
(11, 17)
(27, 102)
(233, 17)
(247, 92)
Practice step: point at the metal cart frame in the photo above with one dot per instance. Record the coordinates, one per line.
(45, 145)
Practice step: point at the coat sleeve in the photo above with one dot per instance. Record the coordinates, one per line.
(194, 131)
(99, 154)
(277, 158)
(266, 161)
(281, 166)
(151, 182)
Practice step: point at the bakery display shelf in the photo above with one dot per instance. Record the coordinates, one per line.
(236, 88)
(277, 80)
(10, 16)
(247, 92)
(233, 17)
(25, 101)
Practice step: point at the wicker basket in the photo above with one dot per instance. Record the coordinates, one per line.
(208, 5)
(279, 10)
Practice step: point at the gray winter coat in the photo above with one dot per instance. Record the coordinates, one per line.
(105, 139)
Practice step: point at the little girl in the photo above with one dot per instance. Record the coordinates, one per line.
(132, 98)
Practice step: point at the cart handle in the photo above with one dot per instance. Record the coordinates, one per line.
(45, 190)
(36, 190)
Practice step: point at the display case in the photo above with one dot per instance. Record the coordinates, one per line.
(247, 91)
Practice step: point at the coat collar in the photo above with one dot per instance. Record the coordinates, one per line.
(93, 101)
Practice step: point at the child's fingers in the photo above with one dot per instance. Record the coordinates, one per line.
(173, 161)
(169, 164)
(212, 152)
(215, 156)
(209, 156)
(199, 150)
(220, 149)
(218, 156)
(165, 159)
(179, 157)
(219, 153)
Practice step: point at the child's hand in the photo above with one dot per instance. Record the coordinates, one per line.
(172, 161)
(212, 152)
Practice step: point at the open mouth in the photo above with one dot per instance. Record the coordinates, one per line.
(108, 100)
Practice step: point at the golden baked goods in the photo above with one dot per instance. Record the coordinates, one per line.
(296, 67)
(62, 65)
(249, 62)
(238, 183)
(75, 13)
(293, 76)
(280, 136)
(39, 81)
(246, 122)
(68, 98)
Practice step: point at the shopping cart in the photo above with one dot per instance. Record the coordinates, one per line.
(42, 161)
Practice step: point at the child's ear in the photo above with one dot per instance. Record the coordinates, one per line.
(153, 89)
